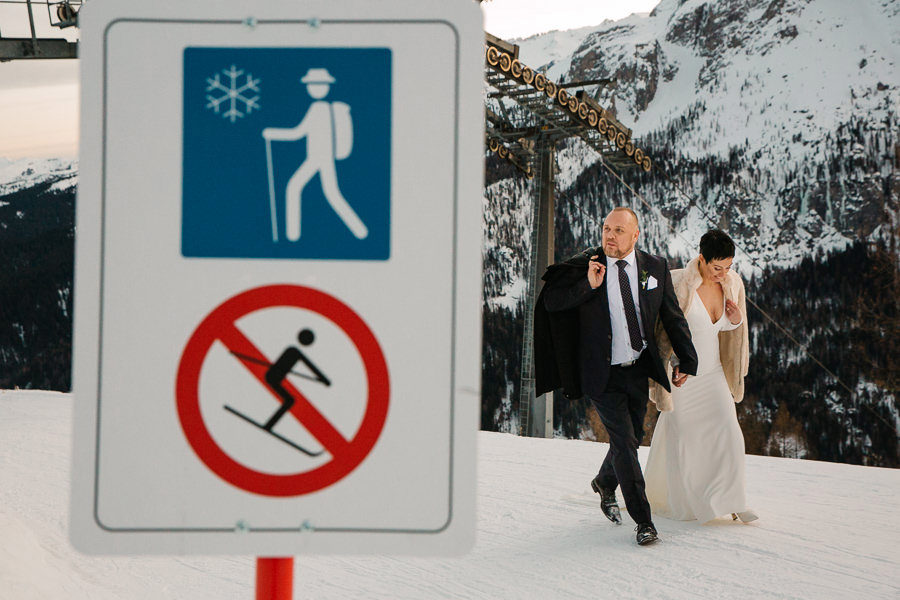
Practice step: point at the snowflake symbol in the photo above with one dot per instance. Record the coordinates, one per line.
(233, 93)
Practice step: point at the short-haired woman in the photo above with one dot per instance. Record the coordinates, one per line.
(696, 464)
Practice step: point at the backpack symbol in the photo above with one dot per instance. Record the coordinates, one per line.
(341, 130)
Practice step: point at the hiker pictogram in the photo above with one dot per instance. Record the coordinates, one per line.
(328, 130)
(302, 165)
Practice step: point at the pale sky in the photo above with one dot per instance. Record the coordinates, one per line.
(521, 18)
(39, 98)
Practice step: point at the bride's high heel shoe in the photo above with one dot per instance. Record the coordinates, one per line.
(745, 516)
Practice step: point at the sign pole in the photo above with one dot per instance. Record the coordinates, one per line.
(274, 578)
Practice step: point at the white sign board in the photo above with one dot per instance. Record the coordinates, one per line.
(278, 277)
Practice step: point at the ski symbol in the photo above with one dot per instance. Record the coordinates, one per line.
(275, 375)
(273, 433)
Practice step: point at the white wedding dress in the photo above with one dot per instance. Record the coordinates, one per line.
(696, 464)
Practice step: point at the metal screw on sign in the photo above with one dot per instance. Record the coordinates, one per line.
(315, 22)
(306, 526)
(250, 22)
(274, 576)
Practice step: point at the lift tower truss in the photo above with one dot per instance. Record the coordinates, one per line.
(527, 115)
(60, 14)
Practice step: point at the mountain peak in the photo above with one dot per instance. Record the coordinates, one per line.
(24, 173)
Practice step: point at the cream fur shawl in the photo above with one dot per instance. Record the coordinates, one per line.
(734, 345)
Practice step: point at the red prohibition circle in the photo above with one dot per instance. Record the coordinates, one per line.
(219, 325)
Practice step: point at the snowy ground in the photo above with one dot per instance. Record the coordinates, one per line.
(826, 531)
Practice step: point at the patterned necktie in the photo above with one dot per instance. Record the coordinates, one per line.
(634, 330)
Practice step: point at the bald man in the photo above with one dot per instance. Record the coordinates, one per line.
(618, 293)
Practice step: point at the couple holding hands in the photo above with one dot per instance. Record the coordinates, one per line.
(615, 325)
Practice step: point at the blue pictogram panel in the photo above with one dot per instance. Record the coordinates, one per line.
(287, 153)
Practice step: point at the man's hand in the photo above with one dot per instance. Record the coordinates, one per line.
(596, 271)
(732, 312)
(278, 134)
(678, 378)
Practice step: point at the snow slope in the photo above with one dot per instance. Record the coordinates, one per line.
(768, 92)
(28, 172)
(826, 531)
(766, 72)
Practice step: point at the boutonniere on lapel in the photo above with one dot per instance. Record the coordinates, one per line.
(648, 282)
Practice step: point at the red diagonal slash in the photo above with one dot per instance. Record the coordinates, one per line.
(220, 326)
(303, 410)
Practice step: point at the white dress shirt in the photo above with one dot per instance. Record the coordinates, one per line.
(621, 341)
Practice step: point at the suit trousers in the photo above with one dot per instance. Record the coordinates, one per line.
(622, 407)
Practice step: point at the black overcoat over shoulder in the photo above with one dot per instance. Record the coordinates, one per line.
(556, 333)
(573, 333)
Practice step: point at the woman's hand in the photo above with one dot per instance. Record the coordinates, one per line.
(732, 312)
(678, 378)
(596, 271)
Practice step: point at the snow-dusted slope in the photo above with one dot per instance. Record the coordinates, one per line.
(774, 93)
(28, 172)
(826, 531)
(765, 70)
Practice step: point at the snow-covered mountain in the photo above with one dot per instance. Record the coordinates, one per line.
(826, 531)
(776, 120)
(775, 91)
(15, 175)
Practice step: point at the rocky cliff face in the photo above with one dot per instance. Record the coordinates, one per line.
(777, 121)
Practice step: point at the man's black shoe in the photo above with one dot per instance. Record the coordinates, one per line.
(646, 533)
(608, 502)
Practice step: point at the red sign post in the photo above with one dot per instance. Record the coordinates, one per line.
(274, 578)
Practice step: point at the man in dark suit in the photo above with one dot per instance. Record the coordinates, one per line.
(618, 301)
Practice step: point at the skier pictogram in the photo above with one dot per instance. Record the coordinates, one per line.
(275, 375)
(343, 452)
(329, 136)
